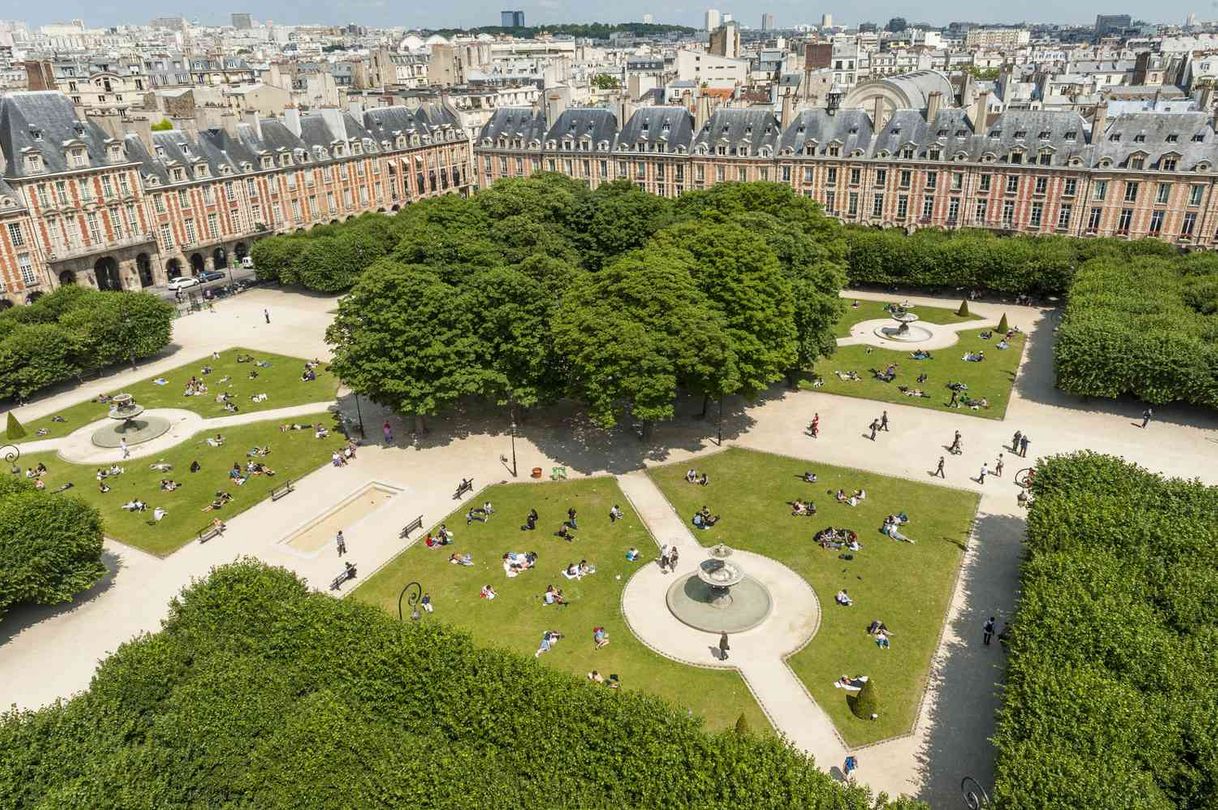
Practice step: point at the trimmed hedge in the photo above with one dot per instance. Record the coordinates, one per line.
(981, 260)
(1112, 677)
(50, 545)
(258, 693)
(1147, 327)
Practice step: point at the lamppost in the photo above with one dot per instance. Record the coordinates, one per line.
(513, 447)
(10, 454)
(359, 415)
(720, 444)
(413, 601)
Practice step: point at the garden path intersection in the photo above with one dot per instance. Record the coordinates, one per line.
(47, 653)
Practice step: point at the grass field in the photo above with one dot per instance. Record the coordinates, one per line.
(991, 379)
(516, 619)
(906, 586)
(871, 310)
(293, 454)
(280, 382)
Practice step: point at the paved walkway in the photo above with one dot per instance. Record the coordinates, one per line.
(46, 653)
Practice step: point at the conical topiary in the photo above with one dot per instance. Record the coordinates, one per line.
(14, 430)
(1003, 326)
(864, 704)
(963, 311)
(742, 726)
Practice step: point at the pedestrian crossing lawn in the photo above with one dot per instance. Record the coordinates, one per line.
(908, 587)
(516, 619)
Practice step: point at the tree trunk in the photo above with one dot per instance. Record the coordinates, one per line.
(420, 423)
(705, 406)
(793, 378)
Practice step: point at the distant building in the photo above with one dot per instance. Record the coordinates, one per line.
(712, 19)
(511, 19)
(171, 23)
(767, 22)
(826, 21)
(242, 22)
(1106, 24)
(725, 41)
(996, 38)
(648, 19)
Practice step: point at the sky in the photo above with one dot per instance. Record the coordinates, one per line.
(467, 13)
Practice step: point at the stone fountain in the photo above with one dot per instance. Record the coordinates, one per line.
(905, 330)
(129, 422)
(719, 596)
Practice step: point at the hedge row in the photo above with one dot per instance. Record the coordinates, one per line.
(1111, 697)
(1147, 327)
(50, 545)
(980, 260)
(327, 258)
(74, 331)
(258, 693)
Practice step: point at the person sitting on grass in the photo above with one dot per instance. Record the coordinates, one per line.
(596, 677)
(847, 376)
(235, 475)
(319, 431)
(973, 357)
(858, 497)
(258, 452)
(892, 527)
(881, 639)
(691, 476)
(921, 354)
(258, 468)
(565, 533)
(843, 598)
(161, 466)
(159, 513)
(840, 496)
(875, 627)
(487, 592)
(571, 571)
(600, 637)
(461, 559)
(703, 480)
(244, 358)
(168, 485)
(135, 506)
(308, 375)
(553, 596)
(218, 502)
(284, 428)
(102, 487)
(801, 509)
(586, 568)
(548, 639)
(809, 477)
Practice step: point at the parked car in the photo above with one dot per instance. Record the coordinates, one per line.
(247, 262)
(211, 275)
(182, 282)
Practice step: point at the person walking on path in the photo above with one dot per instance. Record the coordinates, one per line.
(664, 559)
(955, 448)
(1146, 414)
(884, 421)
(387, 432)
(1023, 446)
(1015, 441)
(851, 764)
(998, 466)
(814, 428)
(875, 425)
(672, 559)
(122, 443)
(984, 472)
(340, 542)
(939, 469)
(266, 313)
(724, 648)
(987, 631)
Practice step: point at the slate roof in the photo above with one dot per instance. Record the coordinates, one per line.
(45, 122)
(594, 124)
(671, 126)
(739, 127)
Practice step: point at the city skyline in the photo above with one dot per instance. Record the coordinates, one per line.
(380, 13)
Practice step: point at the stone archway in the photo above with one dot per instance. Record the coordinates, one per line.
(34, 296)
(219, 258)
(105, 270)
(5, 304)
(240, 250)
(143, 266)
(197, 264)
(67, 277)
(173, 268)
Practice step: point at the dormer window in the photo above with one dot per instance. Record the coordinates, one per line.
(1071, 135)
(933, 154)
(962, 133)
(907, 153)
(995, 133)
(36, 133)
(1172, 138)
(1021, 133)
(1043, 135)
(1114, 137)
(1139, 138)
(942, 133)
(1167, 164)
(1137, 162)
(1199, 137)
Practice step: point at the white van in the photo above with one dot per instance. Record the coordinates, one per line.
(247, 262)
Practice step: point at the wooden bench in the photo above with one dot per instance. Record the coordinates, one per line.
(281, 490)
(346, 574)
(417, 523)
(466, 485)
(211, 530)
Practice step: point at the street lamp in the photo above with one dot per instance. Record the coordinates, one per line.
(10, 454)
(359, 415)
(513, 448)
(413, 601)
(720, 444)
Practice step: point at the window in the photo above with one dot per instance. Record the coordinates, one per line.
(953, 209)
(877, 206)
(982, 209)
(189, 225)
(831, 176)
(1139, 138)
(853, 204)
(1012, 184)
(61, 192)
(1008, 214)
(1063, 216)
(957, 180)
(158, 203)
(807, 174)
(881, 177)
(27, 269)
(15, 235)
(1167, 164)
(906, 176)
(1131, 191)
(932, 179)
(1045, 157)
(928, 207)
(1071, 187)
(116, 223)
(213, 226)
(1093, 220)
(95, 234)
(184, 196)
(855, 176)
(1099, 190)
(1137, 163)
(1156, 223)
(1037, 213)
(1194, 194)
(107, 186)
(166, 238)
(1124, 220)
(1042, 185)
(1190, 222)
(1162, 192)
(902, 206)
(831, 201)
(984, 184)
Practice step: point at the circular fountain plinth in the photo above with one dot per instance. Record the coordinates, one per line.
(908, 334)
(706, 607)
(143, 428)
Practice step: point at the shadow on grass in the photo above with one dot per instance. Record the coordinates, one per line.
(22, 617)
(969, 677)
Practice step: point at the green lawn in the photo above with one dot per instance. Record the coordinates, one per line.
(293, 454)
(517, 618)
(871, 310)
(991, 379)
(906, 586)
(280, 382)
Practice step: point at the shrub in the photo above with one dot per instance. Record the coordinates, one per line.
(1003, 326)
(962, 310)
(1110, 693)
(13, 429)
(258, 693)
(742, 726)
(865, 704)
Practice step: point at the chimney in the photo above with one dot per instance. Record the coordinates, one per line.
(1206, 102)
(333, 118)
(291, 120)
(933, 102)
(980, 106)
(788, 109)
(1099, 121)
(251, 117)
(703, 113)
(877, 114)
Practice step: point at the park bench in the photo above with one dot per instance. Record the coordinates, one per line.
(209, 531)
(346, 574)
(466, 485)
(281, 490)
(417, 523)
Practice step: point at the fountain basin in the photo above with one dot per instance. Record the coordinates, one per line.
(699, 605)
